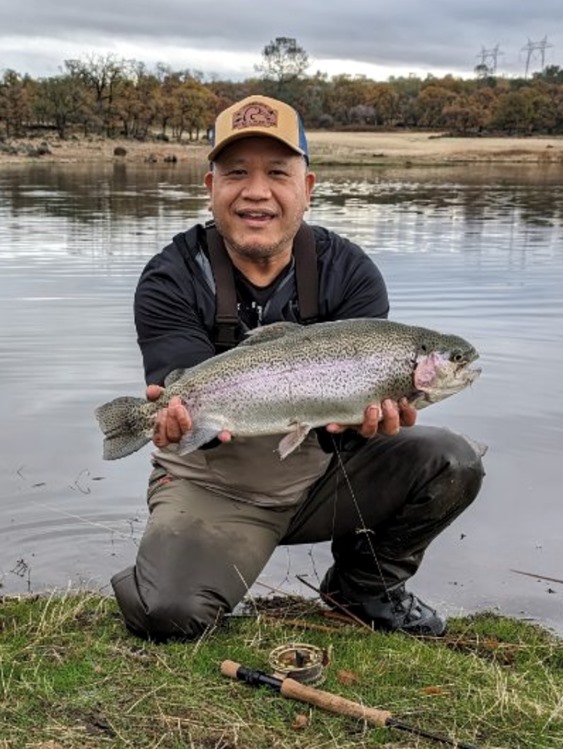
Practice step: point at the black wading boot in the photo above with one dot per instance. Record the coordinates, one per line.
(392, 611)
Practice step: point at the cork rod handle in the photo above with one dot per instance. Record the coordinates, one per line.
(325, 700)
(333, 703)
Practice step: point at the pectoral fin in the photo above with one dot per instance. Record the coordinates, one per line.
(293, 439)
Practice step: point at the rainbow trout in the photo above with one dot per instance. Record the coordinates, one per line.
(287, 379)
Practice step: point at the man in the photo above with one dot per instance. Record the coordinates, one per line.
(379, 492)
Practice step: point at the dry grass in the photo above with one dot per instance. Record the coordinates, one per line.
(71, 676)
(429, 148)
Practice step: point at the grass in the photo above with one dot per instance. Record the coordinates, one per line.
(71, 676)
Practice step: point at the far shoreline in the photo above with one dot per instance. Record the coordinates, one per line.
(327, 148)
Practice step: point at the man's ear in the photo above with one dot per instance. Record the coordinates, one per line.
(208, 181)
(310, 180)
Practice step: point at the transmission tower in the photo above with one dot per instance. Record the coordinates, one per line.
(489, 56)
(532, 49)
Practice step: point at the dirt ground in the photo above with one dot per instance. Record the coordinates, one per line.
(359, 148)
(431, 148)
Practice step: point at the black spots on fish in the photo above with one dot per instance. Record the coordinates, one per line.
(174, 376)
(125, 426)
(313, 375)
(428, 346)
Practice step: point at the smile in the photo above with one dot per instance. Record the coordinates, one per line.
(255, 215)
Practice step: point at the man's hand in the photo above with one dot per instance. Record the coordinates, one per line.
(385, 419)
(173, 421)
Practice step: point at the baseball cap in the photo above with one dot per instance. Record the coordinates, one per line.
(259, 115)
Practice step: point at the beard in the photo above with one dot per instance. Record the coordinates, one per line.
(259, 250)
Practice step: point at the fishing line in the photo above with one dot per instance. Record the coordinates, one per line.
(71, 515)
(364, 529)
(83, 520)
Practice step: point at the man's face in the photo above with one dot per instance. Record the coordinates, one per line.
(259, 191)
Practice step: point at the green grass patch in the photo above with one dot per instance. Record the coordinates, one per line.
(71, 676)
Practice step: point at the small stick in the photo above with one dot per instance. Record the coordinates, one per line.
(299, 623)
(335, 603)
(541, 577)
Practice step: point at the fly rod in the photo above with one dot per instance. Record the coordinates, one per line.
(333, 703)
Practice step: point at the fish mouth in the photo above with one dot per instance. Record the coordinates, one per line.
(436, 376)
(467, 373)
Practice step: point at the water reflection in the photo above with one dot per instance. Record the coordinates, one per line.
(477, 251)
(464, 195)
(91, 192)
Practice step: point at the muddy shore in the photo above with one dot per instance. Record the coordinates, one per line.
(342, 148)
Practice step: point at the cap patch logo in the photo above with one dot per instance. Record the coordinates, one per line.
(255, 114)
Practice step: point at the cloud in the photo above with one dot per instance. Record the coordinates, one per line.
(444, 35)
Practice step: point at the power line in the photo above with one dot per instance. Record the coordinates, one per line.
(489, 55)
(532, 49)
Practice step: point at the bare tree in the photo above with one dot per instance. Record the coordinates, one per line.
(284, 61)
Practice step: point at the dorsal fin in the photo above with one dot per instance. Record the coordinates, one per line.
(173, 377)
(270, 332)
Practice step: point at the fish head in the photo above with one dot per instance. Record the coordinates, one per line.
(443, 367)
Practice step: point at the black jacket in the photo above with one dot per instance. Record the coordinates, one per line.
(175, 298)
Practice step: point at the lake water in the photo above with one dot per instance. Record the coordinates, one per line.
(474, 250)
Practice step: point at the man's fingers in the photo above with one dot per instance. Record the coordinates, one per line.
(336, 428)
(385, 419)
(153, 392)
(407, 413)
(390, 418)
(160, 437)
(370, 426)
(171, 423)
(179, 414)
(173, 430)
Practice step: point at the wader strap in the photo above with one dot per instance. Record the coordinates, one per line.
(306, 278)
(226, 315)
(306, 274)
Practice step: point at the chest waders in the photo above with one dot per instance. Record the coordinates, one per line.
(212, 528)
(227, 322)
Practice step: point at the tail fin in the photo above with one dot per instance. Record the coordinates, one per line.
(124, 427)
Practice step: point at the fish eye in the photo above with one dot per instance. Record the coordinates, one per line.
(456, 356)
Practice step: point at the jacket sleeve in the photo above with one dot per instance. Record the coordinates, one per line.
(363, 292)
(170, 332)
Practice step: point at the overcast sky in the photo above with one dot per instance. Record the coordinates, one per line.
(225, 38)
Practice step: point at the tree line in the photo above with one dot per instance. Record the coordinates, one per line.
(105, 95)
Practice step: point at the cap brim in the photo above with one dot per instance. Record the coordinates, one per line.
(250, 132)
